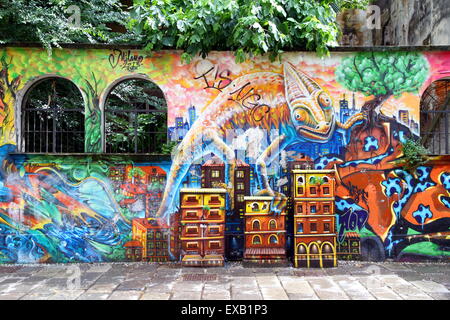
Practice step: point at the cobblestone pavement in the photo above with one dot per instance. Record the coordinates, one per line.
(145, 281)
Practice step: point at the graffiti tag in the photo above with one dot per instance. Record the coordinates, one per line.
(126, 59)
(249, 100)
(351, 220)
(221, 75)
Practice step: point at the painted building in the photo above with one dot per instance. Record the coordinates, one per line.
(265, 232)
(72, 182)
(203, 227)
(314, 220)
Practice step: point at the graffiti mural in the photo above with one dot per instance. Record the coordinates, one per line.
(239, 128)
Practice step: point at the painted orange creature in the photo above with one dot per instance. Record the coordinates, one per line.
(292, 103)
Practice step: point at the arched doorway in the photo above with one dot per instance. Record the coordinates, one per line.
(435, 118)
(135, 117)
(302, 256)
(328, 256)
(52, 117)
(314, 256)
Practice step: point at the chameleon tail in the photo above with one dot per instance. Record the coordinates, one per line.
(176, 176)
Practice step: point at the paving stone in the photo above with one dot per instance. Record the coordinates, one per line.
(299, 296)
(37, 296)
(132, 285)
(353, 288)
(410, 275)
(274, 293)
(66, 295)
(216, 286)
(326, 289)
(243, 282)
(268, 280)
(246, 296)
(93, 296)
(126, 295)
(155, 296)
(186, 295)
(100, 268)
(440, 296)
(220, 294)
(295, 285)
(153, 281)
(430, 286)
(188, 286)
(159, 287)
(384, 293)
(104, 287)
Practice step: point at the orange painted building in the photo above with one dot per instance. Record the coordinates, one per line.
(265, 232)
(202, 226)
(314, 219)
(153, 235)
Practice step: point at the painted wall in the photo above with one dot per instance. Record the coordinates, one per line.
(71, 208)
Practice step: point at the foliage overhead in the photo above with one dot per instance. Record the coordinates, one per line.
(49, 22)
(245, 27)
(383, 73)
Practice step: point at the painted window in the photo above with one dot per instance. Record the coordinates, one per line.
(313, 227)
(136, 118)
(256, 225)
(215, 174)
(240, 198)
(53, 117)
(240, 174)
(272, 224)
(273, 239)
(214, 214)
(256, 240)
(239, 186)
(300, 227)
(214, 245)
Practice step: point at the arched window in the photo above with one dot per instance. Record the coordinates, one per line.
(272, 224)
(273, 239)
(300, 180)
(434, 118)
(135, 118)
(256, 240)
(53, 117)
(301, 248)
(256, 225)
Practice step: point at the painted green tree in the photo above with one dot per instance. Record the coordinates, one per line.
(382, 75)
(136, 173)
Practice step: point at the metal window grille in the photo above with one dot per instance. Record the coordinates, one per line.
(435, 118)
(53, 118)
(138, 125)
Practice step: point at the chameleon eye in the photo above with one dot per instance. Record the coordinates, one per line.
(324, 100)
(300, 115)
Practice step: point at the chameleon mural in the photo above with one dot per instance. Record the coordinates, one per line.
(346, 111)
(292, 103)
